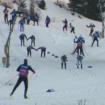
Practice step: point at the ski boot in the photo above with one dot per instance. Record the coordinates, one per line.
(11, 95)
(25, 97)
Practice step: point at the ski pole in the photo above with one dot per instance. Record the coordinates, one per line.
(11, 79)
(30, 76)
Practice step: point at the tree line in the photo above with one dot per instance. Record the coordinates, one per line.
(88, 8)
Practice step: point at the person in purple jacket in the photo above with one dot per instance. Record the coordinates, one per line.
(23, 73)
(43, 50)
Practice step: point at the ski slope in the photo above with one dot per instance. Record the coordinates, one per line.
(71, 85)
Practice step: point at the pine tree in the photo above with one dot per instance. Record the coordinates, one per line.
(88, 8)
(32, 9)
(42, 4)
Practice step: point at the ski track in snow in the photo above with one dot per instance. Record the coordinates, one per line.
(71, 85)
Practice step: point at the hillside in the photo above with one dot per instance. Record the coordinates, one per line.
(71, 85)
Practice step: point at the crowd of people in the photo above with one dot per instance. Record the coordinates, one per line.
(23, 69)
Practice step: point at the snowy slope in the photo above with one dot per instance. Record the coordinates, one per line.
(70, 85)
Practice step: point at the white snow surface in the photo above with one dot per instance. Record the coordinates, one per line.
(71, 85)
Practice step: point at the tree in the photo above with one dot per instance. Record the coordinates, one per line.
(88, 8)
(42, 4)
(32, 9)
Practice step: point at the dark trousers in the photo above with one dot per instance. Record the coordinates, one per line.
(25, 80)
(6, 18)
(95, 39)
(64, 65)
(91, 32)
(28, 22)
(72, 30)
(22, 42)
(43, 51)
(47, 24)
(36, 22)
(65, 27)
(28, 52)
(32, 42)
(77, 49)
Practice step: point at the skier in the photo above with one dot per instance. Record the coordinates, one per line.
(29, 50)
(79, 47)
(47, 21)
(22, 36)
(23, 74)
(13, 14)
(63, 61)
(91, 28)
(6, 15)
(95, 38)
(79, 60)
(24, 17)
(32, 40)
(21, 25)
(36, 19)
(43, 49)
(11, 23)
(72, 28)
(65, 24)
(28, 20)
(81, 39)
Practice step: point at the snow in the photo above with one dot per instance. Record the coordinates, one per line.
(71, 85)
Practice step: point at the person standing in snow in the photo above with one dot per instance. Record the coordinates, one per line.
(29, 50)
(22, 36)
(11, 23)
(43, 50)
(79, 60)
(72, 28)
(28, 19)
(6, 15)
(21, 22)
(79, 47)
(13, 14)
(32, 40)
(23, 76)
(47, 21)
(36, 19)
(95, 38)
(65, 24)
(91, 28)
(63, 61)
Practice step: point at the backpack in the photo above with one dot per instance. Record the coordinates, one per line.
(64, 58)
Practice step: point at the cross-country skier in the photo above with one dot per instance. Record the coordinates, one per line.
(28, 19)
(36, 19)
(22, 36)
(79, 47)
(32, 40)
(72, 28)
(79, 60)
(47, 21)
(6, 15)
(95, 38)
(65, 24)
(91, 28)
(43, 50)
(29, 50)
(63, 61)
(23, 73)
(11, 23)
(21, 22)
(13, 14)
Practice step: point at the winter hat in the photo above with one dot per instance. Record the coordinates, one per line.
(25, 61)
